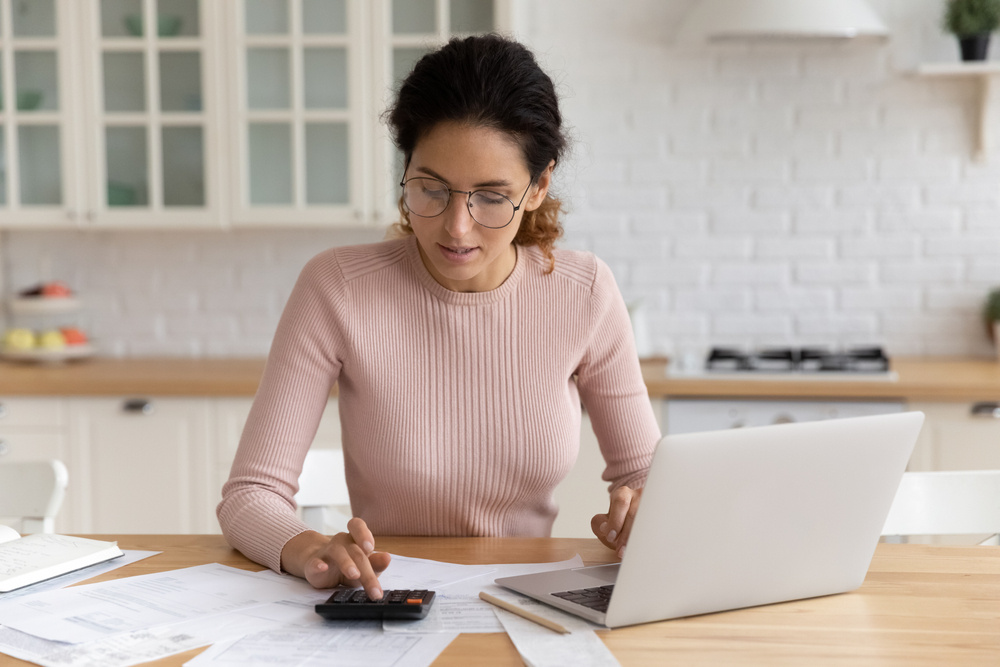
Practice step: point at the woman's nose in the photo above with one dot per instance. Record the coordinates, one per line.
(458, 217)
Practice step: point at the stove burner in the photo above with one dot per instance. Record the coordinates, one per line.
(807, 359)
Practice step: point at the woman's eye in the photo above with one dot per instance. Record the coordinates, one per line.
(486, 197)
(435, 191)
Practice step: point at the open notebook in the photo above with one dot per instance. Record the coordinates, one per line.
(34, 558)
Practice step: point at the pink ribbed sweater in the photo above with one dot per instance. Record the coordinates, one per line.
(460, 411)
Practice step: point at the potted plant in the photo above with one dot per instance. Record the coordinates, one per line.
(991, 315)
(972, 21)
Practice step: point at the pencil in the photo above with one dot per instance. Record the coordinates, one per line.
(523, 613)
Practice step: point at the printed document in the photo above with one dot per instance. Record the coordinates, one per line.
(95, 611)
(457, 607)
(325, 645)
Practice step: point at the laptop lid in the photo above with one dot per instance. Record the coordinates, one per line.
(745, 517)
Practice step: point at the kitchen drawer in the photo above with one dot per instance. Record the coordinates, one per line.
(31, 412)
(16, 446)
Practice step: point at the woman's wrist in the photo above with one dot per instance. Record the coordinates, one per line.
(298, 550)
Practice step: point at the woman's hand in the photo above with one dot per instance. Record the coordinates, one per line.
(346, 559)
(613, 528)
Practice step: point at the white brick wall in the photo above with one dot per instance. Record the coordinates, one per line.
(818, 192)
(800, 192)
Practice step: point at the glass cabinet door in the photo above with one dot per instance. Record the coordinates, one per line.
(154, 68)
(36, 159)
(300, 157)
(409, 29)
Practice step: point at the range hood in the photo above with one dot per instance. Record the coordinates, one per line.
(788, 19)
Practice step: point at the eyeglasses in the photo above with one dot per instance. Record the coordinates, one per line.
(429, 197)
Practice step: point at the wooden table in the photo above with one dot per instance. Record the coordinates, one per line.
(920, 605)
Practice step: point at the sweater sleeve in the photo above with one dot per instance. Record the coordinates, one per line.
(257, 512)
(612, 389)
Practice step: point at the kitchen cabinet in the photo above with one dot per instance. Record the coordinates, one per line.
(144, 464)
(311, 79)
(137, 464)
(37, 429)
(958, 436)
(115, 123)
(197, 113)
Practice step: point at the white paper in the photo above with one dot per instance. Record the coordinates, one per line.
(122, 650)
(96, 611)
(541, 647)
(450, 614)
(322, 646)
(458, 608)
(406, 572)
(8, 534)
(27, 647)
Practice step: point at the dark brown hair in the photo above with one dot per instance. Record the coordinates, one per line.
(494, 82)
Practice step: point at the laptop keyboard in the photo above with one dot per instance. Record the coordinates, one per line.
(593, 598)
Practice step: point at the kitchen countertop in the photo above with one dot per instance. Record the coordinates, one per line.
(920, 378)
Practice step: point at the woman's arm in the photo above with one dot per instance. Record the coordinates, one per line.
(257, 512)
(612, 390)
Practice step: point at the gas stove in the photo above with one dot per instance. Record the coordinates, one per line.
(792, 363)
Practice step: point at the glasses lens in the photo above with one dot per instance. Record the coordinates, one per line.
(425, 197)
(491, 209)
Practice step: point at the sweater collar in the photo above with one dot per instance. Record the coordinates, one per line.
(463, 298)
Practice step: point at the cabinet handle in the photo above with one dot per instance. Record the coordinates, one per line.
(4, 448)
(987, 410)
(141, 406)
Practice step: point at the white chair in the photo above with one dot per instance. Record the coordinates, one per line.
(965, 502)
(31, 492)
(322, 488)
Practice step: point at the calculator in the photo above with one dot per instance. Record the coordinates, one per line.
(353, 603)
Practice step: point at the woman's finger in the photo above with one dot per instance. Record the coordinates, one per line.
(361, 534)
(599, 524)
(626, 530)
(621, 498)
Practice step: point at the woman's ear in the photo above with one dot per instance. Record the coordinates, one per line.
(541, 188)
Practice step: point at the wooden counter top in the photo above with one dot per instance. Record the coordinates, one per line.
(920, 379)
(130, 377)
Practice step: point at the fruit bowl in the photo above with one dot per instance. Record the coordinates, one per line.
(44, 305)
(49, 356)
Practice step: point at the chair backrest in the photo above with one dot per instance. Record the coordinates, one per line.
(965, 502)
(32, 493)
(322, 486)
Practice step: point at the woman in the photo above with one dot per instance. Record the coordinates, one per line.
(462, 349)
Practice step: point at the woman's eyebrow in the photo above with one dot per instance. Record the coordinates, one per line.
(499, 183)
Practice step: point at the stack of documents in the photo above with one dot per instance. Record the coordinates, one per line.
(248, 618)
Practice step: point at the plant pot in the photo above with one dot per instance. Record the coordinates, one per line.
(974, 47)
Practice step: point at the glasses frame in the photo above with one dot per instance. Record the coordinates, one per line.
(468, 200)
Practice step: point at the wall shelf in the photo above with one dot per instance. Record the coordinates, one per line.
(987, 72)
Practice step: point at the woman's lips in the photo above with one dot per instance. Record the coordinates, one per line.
(456, 254)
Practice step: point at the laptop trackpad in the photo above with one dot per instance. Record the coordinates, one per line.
(605, 574)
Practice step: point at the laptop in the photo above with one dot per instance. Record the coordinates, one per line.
(745, 517)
